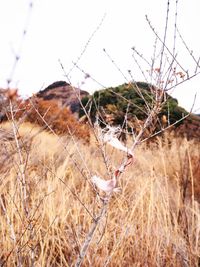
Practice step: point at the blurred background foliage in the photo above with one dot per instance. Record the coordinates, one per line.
(129, 101)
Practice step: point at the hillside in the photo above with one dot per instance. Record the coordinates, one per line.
(190, 127)
(131, 101)
(50, 108)
(125, 105)
(65, 94)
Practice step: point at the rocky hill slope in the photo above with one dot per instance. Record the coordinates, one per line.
(64, 94)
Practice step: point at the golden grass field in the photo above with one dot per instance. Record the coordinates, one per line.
(153, 221)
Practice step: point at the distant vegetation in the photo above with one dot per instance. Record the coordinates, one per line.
(49, 114)
(131, 101)
(125, 105)
(58, 118)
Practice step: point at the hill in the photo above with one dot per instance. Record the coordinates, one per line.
(64, 94)
(127, 105)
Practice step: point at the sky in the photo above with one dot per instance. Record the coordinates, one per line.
(77, 31)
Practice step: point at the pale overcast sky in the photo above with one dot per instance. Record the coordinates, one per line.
(60, 29)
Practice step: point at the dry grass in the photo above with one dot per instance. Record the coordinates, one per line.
(154, 221)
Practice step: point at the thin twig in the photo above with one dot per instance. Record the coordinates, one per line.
(87, 44)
